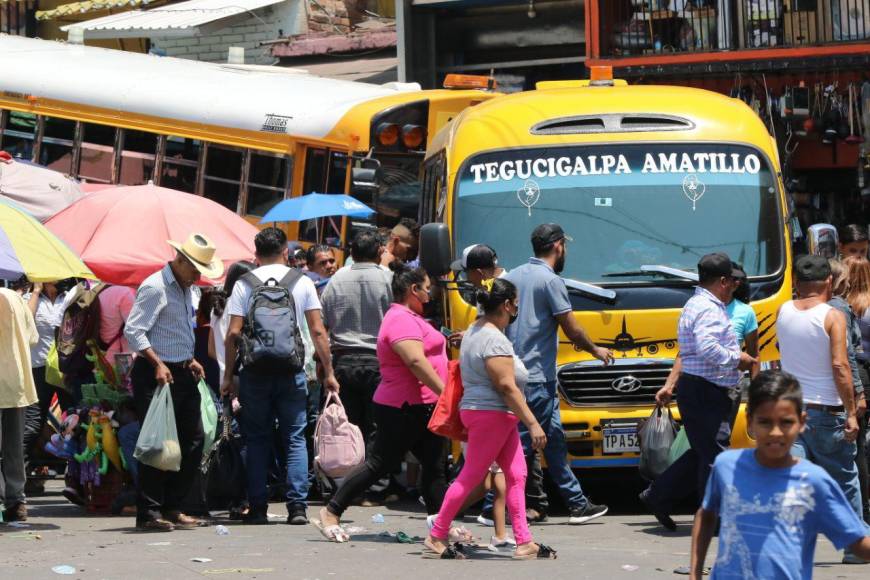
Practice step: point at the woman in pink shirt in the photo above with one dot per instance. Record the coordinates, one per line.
(413, 361)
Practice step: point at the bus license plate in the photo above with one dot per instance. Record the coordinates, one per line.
(621, 440)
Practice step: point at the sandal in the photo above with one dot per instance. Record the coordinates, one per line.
(456, 534)
(544, 553)
(449, 553)
(333, 533)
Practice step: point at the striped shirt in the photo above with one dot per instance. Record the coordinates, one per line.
(708, 345)
(162, 318)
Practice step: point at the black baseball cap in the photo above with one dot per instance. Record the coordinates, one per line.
(546, 235)
(716, 265)
(812, 268)
(475, 256)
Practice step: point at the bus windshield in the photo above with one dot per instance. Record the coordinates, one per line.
(625, 206)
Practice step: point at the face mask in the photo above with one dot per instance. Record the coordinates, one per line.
(514, 316)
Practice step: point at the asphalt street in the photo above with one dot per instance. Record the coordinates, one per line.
(627, 545)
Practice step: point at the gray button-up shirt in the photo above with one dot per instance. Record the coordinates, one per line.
(354, 304)
(162, 318)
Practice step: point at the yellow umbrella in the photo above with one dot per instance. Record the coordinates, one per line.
(27, 247)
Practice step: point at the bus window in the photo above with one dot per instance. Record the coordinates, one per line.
(223, 175)
(267, 181)
(97, 153)
(16, 137)
(138, 153)
(337, 179)
(56, 147)
(180, 162)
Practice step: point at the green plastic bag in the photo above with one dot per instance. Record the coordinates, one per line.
(53, 376)
(209, 417)
(679, 446)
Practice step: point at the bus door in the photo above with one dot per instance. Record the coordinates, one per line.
(325, 171)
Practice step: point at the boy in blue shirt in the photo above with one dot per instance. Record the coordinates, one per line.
(771, 504)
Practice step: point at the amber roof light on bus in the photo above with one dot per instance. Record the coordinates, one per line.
(457, 81)
(601, 76)
(388, 134)
(413, 136)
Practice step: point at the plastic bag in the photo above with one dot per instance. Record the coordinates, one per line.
(158, 445)
(338, 442)
(656, 436)
(53, 376)
(679, 446)
(209, 416)
(445, 420)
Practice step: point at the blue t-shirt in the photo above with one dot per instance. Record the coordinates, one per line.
(770, 517)
(743, 319)
(542, 296)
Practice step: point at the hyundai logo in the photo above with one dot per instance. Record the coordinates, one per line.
(626, 384)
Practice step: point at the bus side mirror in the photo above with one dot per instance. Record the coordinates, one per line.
(435, 255)
(365, 178)
(822, 240)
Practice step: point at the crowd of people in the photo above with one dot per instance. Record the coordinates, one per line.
(283, 331)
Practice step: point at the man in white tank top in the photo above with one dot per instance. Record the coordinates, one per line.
(812, 343)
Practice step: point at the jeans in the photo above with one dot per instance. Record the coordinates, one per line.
(127, 437)
(162, 492)
(399, 430)
(822, 443)
(359, 375)
(544, 404)
(264, 399)
(12, 450)
(705, 410)
(312, 413)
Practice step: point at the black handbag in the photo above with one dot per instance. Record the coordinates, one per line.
(223, 469)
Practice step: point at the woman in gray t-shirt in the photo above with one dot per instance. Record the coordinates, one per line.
(492, 405)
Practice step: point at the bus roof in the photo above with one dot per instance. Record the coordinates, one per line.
(265, 99)
(550, 117)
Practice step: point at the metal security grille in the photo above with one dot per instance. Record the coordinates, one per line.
(629, 382)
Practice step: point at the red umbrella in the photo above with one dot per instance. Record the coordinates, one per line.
(121, 233)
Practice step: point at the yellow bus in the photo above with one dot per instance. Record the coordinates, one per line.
(244, 136)
(646, 179)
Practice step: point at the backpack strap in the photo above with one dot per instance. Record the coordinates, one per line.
(251, 280)
(290, 279)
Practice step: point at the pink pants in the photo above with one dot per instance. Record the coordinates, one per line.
(492, 436)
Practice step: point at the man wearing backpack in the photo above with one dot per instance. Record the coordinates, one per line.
(160, 329)
(266, 309)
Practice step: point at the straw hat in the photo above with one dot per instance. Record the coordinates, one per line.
(201, 253)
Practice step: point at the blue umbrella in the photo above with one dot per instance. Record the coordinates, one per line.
(316, 205)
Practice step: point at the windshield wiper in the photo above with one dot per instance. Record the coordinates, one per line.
(656, 269)
(591, 290)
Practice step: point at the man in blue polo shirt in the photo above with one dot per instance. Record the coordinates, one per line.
(544, 308)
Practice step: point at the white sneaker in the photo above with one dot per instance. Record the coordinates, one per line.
(507, 544)
(485, 521)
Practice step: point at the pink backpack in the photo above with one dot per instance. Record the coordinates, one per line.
(338, 443)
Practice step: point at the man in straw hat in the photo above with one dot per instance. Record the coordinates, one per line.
(160, 329)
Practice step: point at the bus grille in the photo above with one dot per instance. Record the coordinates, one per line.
(632, 382)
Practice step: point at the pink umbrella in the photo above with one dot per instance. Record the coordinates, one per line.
(41, 191)
(121, 233)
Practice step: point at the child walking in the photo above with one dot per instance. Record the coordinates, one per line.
(771, 504)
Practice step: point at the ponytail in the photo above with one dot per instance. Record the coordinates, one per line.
(500, 292)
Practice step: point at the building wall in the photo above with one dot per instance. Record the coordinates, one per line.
(272, 22)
